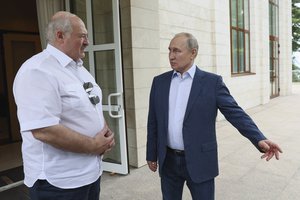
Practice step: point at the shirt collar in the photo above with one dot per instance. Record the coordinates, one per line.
(190, 72)
(62, 58)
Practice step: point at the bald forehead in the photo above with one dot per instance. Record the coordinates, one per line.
(180, 36)
(62, 14)
(179, 39)
(186, 39)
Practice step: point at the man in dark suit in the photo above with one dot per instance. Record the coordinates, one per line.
(181, 136)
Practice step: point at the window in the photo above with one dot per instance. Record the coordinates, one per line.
(240, 36)
(274, 47)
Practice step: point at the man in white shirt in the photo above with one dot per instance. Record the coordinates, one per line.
(61, 119)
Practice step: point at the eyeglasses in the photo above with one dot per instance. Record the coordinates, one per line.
(88, 87)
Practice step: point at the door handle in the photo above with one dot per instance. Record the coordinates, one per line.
(109, 105)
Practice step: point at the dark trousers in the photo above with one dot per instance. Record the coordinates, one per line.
(43, 190)
(174, 175)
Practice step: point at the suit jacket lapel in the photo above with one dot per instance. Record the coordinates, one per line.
(165, 89)
(196, 90)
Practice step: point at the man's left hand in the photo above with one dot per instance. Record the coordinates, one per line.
(270, 148)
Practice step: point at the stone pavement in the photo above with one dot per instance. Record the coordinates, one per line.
(243, 175)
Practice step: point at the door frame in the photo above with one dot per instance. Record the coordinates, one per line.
(11, 68)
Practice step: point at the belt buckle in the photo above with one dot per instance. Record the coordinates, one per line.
(178, 151)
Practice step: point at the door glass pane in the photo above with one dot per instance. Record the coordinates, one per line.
(271, 67)
(105, 71)
(85, 60)
(102, 21)
(276, 76)
(272, 63)
(78, 7)
(276, 21)
(233, 13)
(270, 48)
(234, 52)
(275, 47)
(270, 19)
(114, 155)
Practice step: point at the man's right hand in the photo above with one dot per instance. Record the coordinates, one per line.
(64, 138)
(104, 141)
(152, 165)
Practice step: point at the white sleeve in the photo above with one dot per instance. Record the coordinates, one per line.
(37, 98)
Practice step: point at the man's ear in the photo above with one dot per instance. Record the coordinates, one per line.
(60, 35)
(194, 52)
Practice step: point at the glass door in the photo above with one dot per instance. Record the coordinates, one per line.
(103, 60)
(274, 48)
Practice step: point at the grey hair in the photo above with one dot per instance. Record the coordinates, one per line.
(192, 42)
(61, 22)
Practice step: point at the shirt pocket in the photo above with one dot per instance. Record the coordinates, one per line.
(73, 96)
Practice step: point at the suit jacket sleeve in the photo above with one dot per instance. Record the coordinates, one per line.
(236, 115)
(151, 154)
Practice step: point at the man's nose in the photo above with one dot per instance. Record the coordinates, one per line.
(86, 42)
(171, 56)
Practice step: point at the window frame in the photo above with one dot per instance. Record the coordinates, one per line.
(240, 62)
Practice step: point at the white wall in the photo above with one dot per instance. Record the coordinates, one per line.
(155, 22)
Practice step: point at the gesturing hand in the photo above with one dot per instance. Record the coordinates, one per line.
(270, 148)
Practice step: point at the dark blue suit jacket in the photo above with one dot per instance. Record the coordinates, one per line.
(208, 94)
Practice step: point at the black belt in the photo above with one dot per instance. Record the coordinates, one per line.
(175, 151)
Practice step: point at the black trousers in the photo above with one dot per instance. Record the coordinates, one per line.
(43, 190)
(175, 174)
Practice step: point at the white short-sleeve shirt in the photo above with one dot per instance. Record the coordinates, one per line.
(48, 90)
